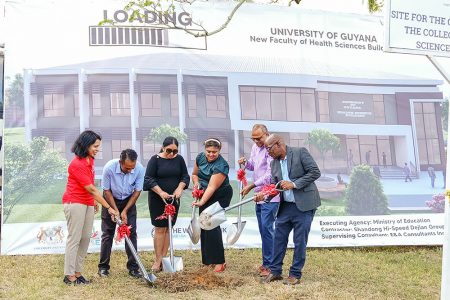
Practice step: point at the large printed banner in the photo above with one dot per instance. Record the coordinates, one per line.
(428, 229)
(300, 72)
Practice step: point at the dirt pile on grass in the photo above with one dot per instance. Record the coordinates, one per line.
(202, 279)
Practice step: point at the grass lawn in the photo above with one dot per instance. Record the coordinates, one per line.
(14, 135)
(340, 273)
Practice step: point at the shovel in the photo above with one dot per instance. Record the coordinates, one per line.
(149, 278)
(172, 263)
(214, 215)
(194, 227)
(234, 231)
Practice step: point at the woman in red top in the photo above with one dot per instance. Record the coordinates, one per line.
(79, 205)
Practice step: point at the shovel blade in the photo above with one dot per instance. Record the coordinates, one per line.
(212, 216)
(176, 267)
(150, 279)
(234, 232)
(194, 232)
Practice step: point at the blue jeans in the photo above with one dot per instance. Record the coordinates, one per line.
(290, 217)
(266, 213)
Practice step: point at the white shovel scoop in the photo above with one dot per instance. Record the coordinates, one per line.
(172, 263)
(235, 229)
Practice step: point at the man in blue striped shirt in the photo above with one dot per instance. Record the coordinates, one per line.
(122, 183)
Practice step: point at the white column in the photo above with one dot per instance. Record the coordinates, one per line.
(181, 111)
(133, 114)
(84, 112)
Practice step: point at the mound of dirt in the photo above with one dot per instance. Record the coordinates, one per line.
(202, 279)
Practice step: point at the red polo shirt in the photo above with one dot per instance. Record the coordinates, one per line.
(81, 174)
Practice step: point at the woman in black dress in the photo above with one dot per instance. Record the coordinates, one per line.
(166, 176)
(211, 174)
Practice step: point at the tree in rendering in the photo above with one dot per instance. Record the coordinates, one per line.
(14, 92)
(28, 169)
(365, 195)
(158, 134)
(324, 141)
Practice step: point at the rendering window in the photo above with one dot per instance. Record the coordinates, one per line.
(216, 107)
(378, 109)
(120, 104)
(192, 105)
(149, 149)
(151, 105)
(118, 146)
(324, 107)
(96, 104)
(248, 103)
(427, 134)
(194, 149)
(58, 146)
(277, 104)
(76, 105)
(53, 105)
(297, 139)
(174, 107)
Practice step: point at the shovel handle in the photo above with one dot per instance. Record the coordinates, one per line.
(239, 203)
(136, 256)
(169, 221)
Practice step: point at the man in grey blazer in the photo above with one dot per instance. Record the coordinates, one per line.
(297, 171)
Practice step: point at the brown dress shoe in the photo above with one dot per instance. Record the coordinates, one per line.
(264, 272)
(270, 278)
(291, 281)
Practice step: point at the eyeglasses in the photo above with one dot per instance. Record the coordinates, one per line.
(270, 147)
(170, 151)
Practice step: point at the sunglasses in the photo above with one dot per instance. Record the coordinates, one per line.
(170, 151)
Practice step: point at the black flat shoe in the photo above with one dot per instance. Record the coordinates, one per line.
(67, 281)
(103, 272)
(82, 280)
(135, 273)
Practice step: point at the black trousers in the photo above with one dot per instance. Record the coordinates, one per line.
(109, 229)
(211, 243)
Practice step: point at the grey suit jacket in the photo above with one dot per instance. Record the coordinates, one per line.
(303, 171)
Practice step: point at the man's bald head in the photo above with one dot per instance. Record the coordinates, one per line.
(275, 146)
(273, 138)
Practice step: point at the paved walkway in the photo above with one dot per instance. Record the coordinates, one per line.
(410, 195)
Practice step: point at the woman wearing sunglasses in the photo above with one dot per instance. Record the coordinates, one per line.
(166, 177)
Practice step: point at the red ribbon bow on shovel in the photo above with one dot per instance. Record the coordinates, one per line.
(197, 193)
(269, 190)
(241, 177)
(123, 231)
(169, 210)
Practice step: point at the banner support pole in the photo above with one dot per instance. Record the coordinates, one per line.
(445, 284)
